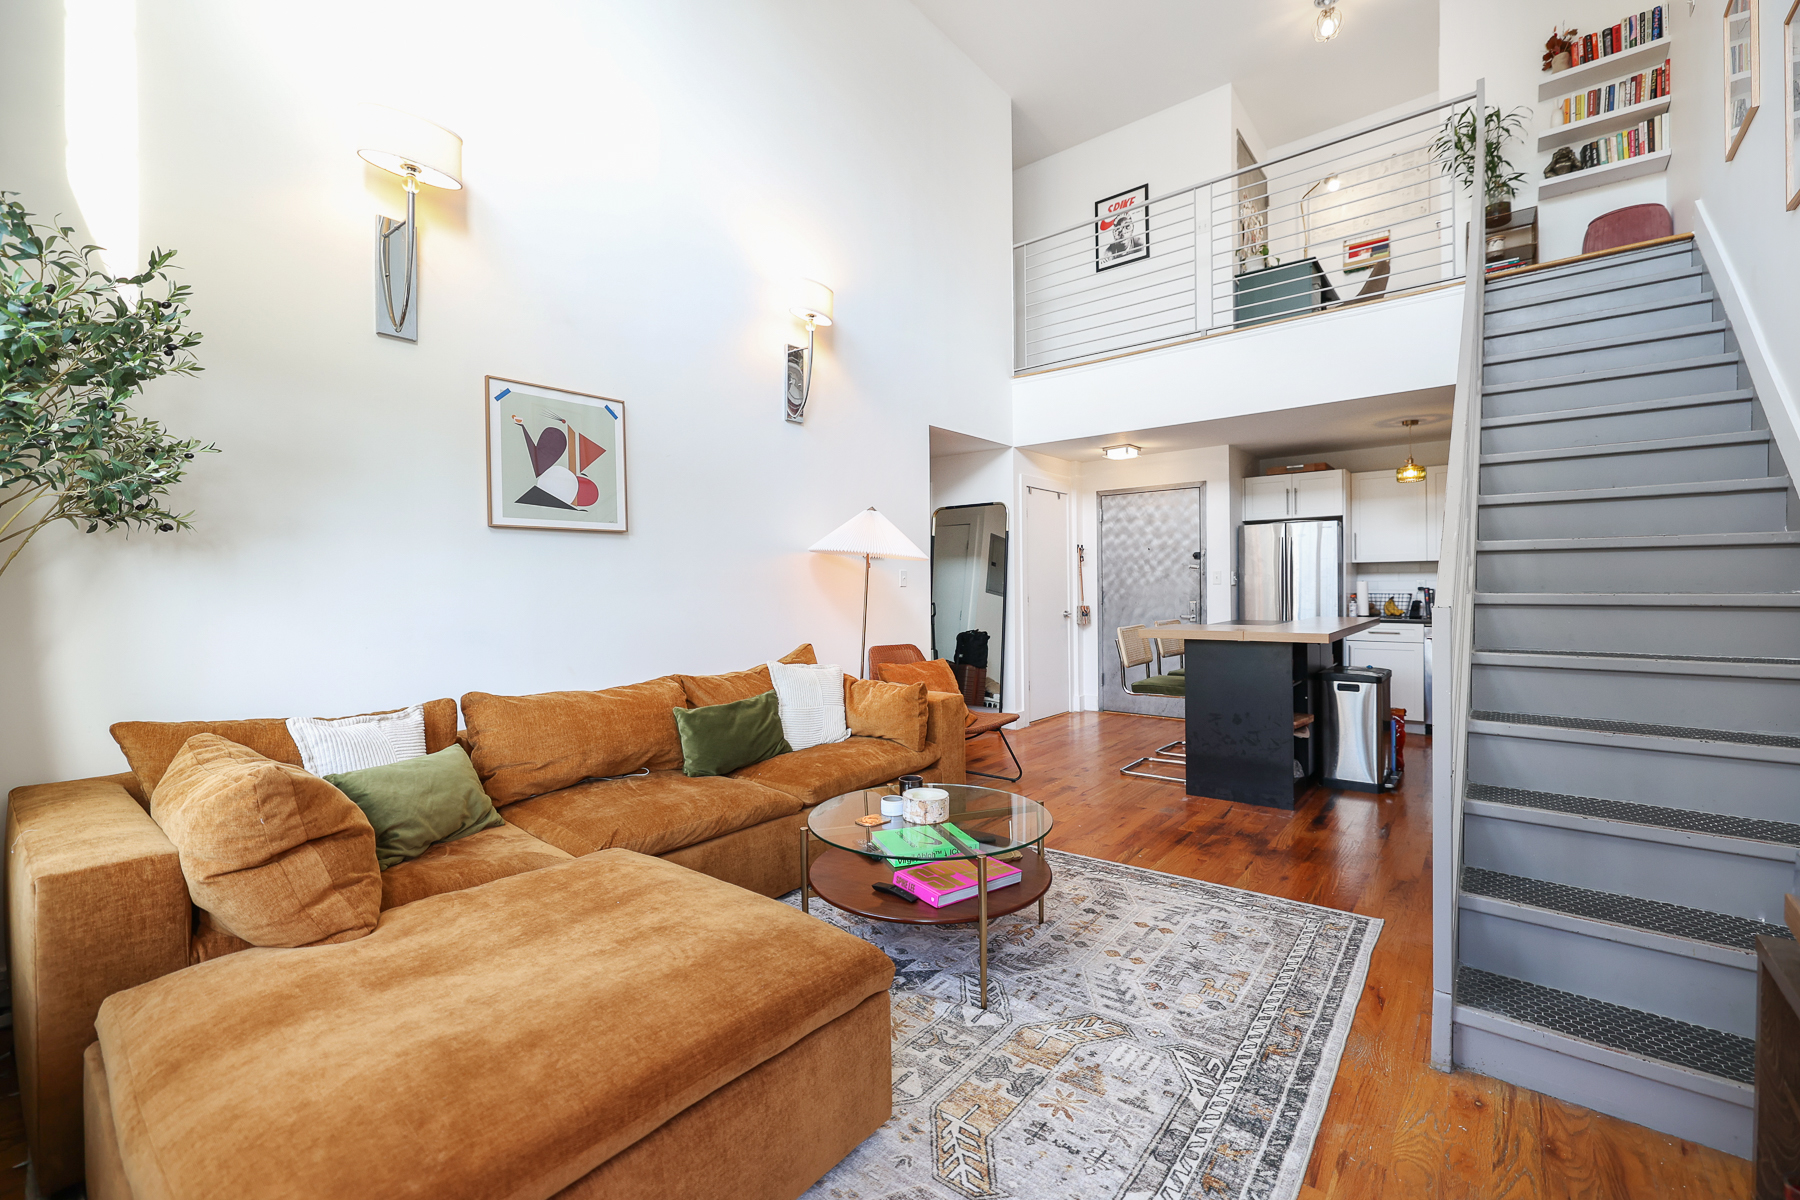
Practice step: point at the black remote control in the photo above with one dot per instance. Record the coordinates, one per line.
(986, 839)
(896, 893)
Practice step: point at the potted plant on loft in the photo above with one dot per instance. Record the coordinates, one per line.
(76, 346)
(1455, 148)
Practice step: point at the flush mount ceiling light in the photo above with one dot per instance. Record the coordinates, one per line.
(1412, 472)
(1329, 21)
(1126, 450)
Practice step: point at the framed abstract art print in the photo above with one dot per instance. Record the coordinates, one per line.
(555, 458)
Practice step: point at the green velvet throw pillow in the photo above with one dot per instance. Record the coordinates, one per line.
(417, 802)
(720, 738)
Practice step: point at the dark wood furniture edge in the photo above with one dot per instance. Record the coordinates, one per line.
(847, 874)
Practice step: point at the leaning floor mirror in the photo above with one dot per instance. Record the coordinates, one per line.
(968, 597)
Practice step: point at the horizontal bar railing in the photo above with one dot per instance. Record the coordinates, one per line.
(1356, 218)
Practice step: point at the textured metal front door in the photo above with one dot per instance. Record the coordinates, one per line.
(1148, 573)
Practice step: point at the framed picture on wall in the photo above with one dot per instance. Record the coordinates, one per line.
(1122, 228)
(1361, 253)
(1790, 66)
(555, 458)
(1743, 87)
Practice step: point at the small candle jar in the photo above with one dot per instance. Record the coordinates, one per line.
(927, 805)
(893, 806)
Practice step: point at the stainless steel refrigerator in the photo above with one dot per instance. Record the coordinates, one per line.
(1290, 570)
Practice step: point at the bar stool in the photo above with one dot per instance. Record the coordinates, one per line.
(1135, 651)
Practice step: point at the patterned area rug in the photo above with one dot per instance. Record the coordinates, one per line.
(1155, 1037)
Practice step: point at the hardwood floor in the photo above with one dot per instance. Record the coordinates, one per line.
(1395, 1127)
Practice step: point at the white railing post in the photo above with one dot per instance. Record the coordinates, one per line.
(1456, 592)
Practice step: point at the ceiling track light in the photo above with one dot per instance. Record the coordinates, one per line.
(1329, 22)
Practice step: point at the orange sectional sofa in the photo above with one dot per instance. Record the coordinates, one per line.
(647, 1029)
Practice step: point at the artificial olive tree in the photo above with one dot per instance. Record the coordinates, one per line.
(76, 346)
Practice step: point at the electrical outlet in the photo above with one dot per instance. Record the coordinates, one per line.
(902, 576)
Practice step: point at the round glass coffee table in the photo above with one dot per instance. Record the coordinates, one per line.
(985, 823)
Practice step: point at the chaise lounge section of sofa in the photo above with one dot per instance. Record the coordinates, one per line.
(98, 903)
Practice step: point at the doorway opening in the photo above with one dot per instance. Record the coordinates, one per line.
(1152, 567)
(968, 598)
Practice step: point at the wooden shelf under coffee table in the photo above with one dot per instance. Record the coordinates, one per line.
(843, 875)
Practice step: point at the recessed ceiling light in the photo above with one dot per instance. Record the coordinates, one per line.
(1329, 22)
(1125, 451)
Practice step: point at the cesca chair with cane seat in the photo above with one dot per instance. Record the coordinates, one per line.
(1135, 651)
(980, 721)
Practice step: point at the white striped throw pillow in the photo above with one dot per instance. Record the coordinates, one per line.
(330, 747)
(810, 700)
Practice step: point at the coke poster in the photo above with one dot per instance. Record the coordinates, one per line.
(1122, 228)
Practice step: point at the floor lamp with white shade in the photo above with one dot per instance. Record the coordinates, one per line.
(873, 536)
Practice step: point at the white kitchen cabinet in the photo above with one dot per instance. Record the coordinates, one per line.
(1390, 521)
(1286, 497)
(1401, 649)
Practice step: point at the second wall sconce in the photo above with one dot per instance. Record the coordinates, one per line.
(419, 152)
(809, 300)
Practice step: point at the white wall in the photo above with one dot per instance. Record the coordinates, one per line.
(1736, 209)
(642, 182)
(1506, 46)
(1400, 345)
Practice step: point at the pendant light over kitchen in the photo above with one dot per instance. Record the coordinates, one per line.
(1412, 472)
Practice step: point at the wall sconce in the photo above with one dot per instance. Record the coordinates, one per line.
(1412, 472)
(809, 300)
(1329, 23)
(419, 152)
(1126, 450)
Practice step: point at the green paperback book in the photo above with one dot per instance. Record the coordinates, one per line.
(924, 843)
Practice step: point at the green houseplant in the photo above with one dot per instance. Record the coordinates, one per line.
(76, 346)
(1455, 148)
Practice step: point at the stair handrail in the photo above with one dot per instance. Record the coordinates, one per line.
(1456, 592)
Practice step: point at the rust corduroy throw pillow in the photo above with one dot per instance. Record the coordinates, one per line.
(934, 673)
(704, 691)
(277, 856)
(524, 746)
(895, 711)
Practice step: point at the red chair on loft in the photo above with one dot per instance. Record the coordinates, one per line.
(980, 720)
(1627, 226)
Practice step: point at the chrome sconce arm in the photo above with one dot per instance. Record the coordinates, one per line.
(385, 231)
(812, 303)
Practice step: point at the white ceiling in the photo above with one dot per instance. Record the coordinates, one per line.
(1076, 69)
(1344, 425)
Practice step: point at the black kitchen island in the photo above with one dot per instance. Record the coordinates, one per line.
(1249, 700)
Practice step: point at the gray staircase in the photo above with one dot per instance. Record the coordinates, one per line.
(1631, 812)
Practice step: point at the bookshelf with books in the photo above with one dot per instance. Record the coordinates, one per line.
(1611, 66)
(1608, 107)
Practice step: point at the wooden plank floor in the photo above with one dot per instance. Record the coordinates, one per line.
(1395, 1127)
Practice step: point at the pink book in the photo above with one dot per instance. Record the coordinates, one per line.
(942, 883)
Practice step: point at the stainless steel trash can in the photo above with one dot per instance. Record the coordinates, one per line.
(1353, 707)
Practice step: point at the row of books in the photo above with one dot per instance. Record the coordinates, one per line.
(1646, 137)
(1645, 85)
(1628, 34)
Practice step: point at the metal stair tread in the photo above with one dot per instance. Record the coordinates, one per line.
(1672, 251)
(1621, 284)
(1606, 343)
(1770, 668)
(1749, 829)
(1651, 916)
(1647, 541)
(1625, 372)
(1645, 599)
(1626, 408)
(1692, 441)
(1686, 733)
(1632, 1031)
(1603, 314)
(1640, 491)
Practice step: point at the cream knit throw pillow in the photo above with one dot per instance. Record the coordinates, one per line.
(810, 700)
(329, 746)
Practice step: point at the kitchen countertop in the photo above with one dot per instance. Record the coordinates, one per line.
(1313, 629)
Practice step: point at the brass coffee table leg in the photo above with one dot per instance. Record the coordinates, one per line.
(805, 872)
(1040, 851)
(981, 888)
